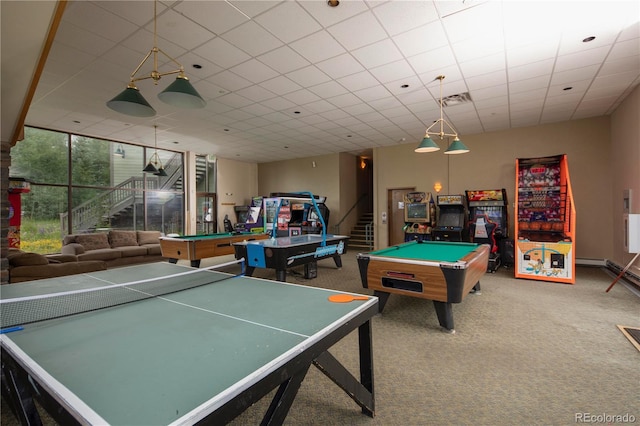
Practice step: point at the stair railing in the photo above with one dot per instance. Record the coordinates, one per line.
(336, 227)
(368, 235)
(89, 214)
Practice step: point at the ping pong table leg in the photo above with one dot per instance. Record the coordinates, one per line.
(366, 366)
(360, 391)
(283, 399)
(21, 401)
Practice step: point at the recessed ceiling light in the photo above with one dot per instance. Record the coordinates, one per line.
(296, 112)
(404, 86)
(588, 39)
(197, 66)
(568, 88)
(76, 121)
(176, 142)
(333, 3)
(286, 147)
(226, 130)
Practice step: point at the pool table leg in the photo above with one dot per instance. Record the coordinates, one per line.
(382, 299)
(476, 288)
(445, 315)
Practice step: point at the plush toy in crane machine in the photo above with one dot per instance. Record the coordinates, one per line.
(17, 187)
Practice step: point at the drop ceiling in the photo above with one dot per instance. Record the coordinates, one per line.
(291, 79)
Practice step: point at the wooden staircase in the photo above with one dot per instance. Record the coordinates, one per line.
(361, 239)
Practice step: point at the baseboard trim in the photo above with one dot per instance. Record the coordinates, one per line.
(591, 262)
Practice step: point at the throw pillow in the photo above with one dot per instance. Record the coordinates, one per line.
(123, 238)
(93, 241)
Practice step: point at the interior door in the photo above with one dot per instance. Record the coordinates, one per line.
(395, 207)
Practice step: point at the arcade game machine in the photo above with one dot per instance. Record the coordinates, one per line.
(488, 221)
(419, 216)
(17, 187)
(546, 220)
(250, 218)
(452, 216)
(296, 214)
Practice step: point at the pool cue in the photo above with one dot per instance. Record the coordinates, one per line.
(623, 271)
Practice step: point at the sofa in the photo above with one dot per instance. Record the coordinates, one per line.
(25, 266)
(115, 247)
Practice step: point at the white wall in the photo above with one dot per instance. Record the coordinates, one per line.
(237, 183)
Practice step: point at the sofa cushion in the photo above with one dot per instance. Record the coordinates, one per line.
(93, 241)
(149, 237)
(61, 258)
(153, 249)
(132, 251)
(123, 238)
(28, 273)
(100, 254)
(27, 259)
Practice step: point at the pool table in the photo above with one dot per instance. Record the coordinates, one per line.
(194, 248)
(441, 271)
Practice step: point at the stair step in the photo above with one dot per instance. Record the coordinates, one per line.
(359, 233)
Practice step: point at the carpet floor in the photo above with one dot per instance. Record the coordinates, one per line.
(525, 352)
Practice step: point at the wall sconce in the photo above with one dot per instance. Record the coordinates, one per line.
(437, 186)
(428, 145)
(119, 151)
(363, 164)
(313, 164)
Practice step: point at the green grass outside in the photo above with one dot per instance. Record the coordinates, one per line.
(40, 236)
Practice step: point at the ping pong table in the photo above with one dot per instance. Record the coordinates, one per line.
(201, 355)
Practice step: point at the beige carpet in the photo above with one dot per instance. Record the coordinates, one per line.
(524, 353)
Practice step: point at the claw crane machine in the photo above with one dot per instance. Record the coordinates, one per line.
(546, 220)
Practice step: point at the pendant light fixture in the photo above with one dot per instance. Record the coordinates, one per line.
(428, 145)
(154, 160)
(180, 93)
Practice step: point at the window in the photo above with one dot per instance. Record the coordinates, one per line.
(82, 184)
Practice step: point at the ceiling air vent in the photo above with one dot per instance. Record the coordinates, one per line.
(460, 98)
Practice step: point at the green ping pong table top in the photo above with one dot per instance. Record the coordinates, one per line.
(177, 357)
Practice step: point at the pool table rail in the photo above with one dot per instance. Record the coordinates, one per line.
(196, 248)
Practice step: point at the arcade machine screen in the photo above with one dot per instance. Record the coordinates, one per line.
(495, 215)
(451, 219)
(451, 224)
(417, 212)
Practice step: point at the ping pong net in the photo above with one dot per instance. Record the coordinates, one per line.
(29, 309)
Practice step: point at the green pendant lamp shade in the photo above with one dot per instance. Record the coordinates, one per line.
(457, 147)
(131, 102)
(182, 94)
(150, 168)
(160, 171)
(427, 145)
